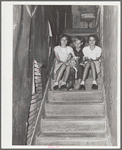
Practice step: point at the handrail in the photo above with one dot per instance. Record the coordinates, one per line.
(40, 109)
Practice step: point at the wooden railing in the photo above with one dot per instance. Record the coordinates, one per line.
(34, 128)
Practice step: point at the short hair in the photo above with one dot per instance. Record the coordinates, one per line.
(62, 36)
(95, 37)
(80, 38)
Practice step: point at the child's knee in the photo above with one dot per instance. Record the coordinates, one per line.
(87, 65)
(92, 64)
(63, 66)
(68, 68)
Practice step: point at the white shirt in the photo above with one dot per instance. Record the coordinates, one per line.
(92, 53)
(63, 53)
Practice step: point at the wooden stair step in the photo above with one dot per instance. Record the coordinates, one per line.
(74, 118)
(70, 125)
(79, 139)
(75, 109)
(76, 96)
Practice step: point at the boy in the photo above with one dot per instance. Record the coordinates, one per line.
(79, 43)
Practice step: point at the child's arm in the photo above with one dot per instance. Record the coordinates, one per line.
(98, 55)
(69, 57)
(57, 58)
(73, 55)
(56, 55)
(97, 58)
(85, 53)
(84, 59)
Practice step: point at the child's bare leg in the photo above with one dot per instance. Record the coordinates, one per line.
(82, 87)
(63, 67)
(94, 84)
(66, 75)
(79, 76)
(93, 71)
(85, 71)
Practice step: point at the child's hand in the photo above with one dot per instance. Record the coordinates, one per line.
(97, 58)
(76, 57)
(69, 57)
(90, 60)
(82, 64)
(67, 62)
(59, 61)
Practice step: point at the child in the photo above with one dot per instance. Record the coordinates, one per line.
(92, 55)
(63, 54)
(79, 44)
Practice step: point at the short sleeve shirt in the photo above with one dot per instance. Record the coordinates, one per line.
(63, 53)
(79, 54)
(92, 53)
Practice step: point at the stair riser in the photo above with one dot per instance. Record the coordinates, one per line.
(65, 97)
(74, 110)
(72, 126)
(78, 142)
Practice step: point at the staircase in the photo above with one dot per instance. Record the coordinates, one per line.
(74, 118)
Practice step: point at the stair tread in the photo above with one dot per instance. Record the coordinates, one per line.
(75, 109)
(72, 135)
(77, 101)
(74, 103)
(76, 96)
(69, 139)
(75, 92)
(73, 118)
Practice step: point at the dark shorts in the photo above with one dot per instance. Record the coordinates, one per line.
(80, 71)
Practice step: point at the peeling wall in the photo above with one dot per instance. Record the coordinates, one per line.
(22, 72)
(110, 14)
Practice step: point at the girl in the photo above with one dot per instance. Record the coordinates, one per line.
(92, 55)
(63, 54)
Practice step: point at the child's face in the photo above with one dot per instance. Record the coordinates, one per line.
(92, 41)
(78, 43)
(63, 41)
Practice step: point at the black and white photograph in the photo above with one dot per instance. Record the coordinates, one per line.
(60, 74)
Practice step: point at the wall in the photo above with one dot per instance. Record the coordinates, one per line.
(110, 66)
(22, 72)
(31, 40)
(77, 11)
